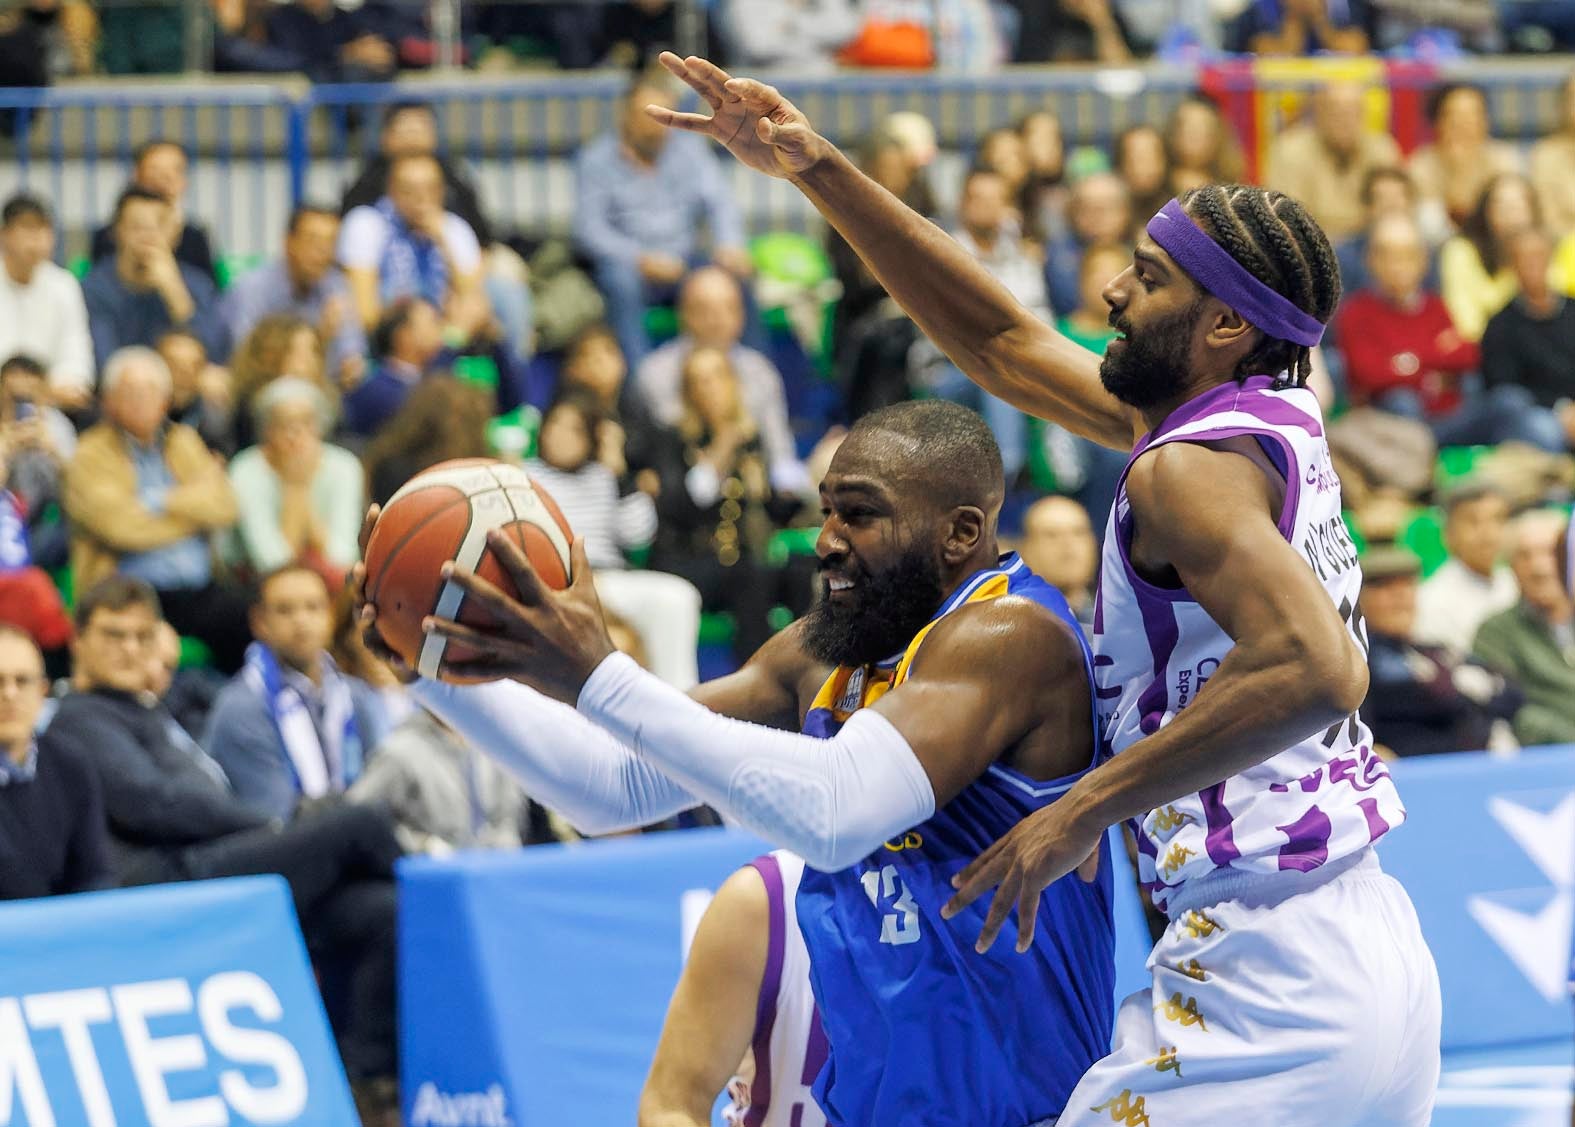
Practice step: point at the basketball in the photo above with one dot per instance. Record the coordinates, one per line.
(444, 514)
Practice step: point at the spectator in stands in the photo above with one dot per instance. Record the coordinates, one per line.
(407, 347)
(1474, 266)
(202, 394)
(172, 817)
(915, 137)
(1302, 28)
(802, 37)
(143, 290)
(1059, 547)
(305, 283)
(573, 463)
(1422, 25)
(1553, 165)
(281, 345)
(1099, 213)
(1384, 192)
(1202, 147)
(51, 807)
(1042, 200)
(1088, 323)
(441, 420)
(301, 499)
(988, 229)
(42, 313)
(29, 599)
(1532, 644)
(330, 43)
(188, 694)
(1066, 31)
(1005, 153)
(640, 195)
(1422, 699)
(1472, 585)
(718, 507)
(407, 245)
(1326, 160)
(36, 441)
(593, 365)
(1453, 171)
(144, 497)
(410, 129)
(1143, 163)
(1402, 352)
(290, 727)
(711, 313)
(1529, 345)
(162, 167)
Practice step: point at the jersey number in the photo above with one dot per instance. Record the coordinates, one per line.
(899, 922)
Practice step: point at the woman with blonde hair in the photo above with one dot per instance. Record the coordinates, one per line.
(717, 510)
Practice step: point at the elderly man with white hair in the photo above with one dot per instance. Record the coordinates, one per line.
(301, 498)
(144, 498)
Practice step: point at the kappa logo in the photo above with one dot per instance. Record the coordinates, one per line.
(1533, 928)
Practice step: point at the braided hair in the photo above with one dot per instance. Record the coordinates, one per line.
(1274, 238)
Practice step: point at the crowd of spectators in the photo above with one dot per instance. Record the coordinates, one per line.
(185, 456)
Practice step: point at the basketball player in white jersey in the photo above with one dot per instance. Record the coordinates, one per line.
(1293, 985)
(743, 1016)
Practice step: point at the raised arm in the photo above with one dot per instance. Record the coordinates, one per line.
(975, 321)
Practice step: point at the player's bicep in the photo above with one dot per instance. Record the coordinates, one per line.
(711, 1017)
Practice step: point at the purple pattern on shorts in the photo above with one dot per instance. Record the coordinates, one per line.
(766, 1008)
(1308, 847)
(1376, 825)
(1220, 844)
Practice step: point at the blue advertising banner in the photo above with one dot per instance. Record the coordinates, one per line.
(533, 984)
(188, 1005)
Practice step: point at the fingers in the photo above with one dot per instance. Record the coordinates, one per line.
(497, 648)
(693, 122)
(977, 879)
(483, 593)
(756, 96)
(703, 77)
(1000, 907)
(367, 523)
(579, 566)
(1027, 915)
(356, 581)
(527, 584)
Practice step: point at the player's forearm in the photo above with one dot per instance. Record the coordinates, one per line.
(1260, 701)
(561, 759)
(831, 801)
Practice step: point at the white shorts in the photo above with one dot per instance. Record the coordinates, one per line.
(1297, 1001)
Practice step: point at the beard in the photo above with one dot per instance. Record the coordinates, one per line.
(882, 616)
(1152, 368)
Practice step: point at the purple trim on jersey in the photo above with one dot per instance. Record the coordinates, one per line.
(1208, 403)
(815, 1051)
(770, 985)
(1377, 825)
(1220, 844)
(1308, 847)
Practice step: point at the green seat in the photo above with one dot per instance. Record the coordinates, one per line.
(787, 542)
(229, 267)
(661, 323)
(790, 264)
(1456, 462)
(479, 370)
(80, 266)
(513, 434)
(1424, 535)
(717, 628)
(195, 654)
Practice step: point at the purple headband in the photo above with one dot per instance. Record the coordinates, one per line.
(1212, 267)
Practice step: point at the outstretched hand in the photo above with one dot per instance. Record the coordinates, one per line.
(550, 640)
(1039, 850)
(751, 120)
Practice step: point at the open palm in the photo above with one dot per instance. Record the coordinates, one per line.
(752, 120)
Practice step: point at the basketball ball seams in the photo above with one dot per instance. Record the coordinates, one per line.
(410, 534)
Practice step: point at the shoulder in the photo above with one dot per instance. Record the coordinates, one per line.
(1010, 632)
(743, 903)
(337, 458)
(237, 705)
(250, 462)
(602, 150)
(198, 284)
(1197, 480)
(102, 282)
(66, 760)
(1458, 253)
(100, 438)
(364, 223)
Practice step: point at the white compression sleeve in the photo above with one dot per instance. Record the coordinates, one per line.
(560, 757)
(830, 801)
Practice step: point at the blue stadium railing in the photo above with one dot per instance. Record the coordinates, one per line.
(259, 147)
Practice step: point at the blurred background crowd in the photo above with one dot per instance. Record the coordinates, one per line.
(190, 431)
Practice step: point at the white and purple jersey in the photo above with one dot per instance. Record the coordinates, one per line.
(1155, 649)
(772, 1087)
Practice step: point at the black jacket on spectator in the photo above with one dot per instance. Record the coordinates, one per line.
(194, 249)
(316, 44)
(157, 797)
(1535, 353)
(1415, 706)
(459, 195)
(52, 838)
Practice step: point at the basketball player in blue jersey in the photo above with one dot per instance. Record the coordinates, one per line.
(1293, 985)
(886, 738)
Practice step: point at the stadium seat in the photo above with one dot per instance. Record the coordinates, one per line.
(1424, 535)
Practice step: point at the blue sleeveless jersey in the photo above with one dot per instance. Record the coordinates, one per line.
(921, 1028)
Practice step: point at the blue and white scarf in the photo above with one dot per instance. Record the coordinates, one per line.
(316, 769)
(412, 264)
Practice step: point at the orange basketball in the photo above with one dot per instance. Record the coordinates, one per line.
(444, 514)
